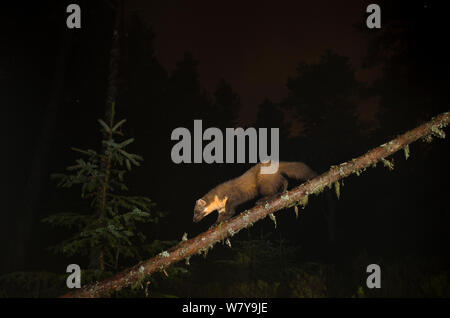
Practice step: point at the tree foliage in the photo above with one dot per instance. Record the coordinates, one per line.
(112, 229)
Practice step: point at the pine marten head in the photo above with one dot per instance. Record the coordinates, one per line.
(206, 205)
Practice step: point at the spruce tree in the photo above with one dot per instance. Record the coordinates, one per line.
(109, 230)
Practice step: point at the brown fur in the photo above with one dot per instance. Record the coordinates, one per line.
(252, 184)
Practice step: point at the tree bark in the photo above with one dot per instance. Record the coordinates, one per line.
(203, 242)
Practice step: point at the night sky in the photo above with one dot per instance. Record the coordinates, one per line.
(261, 42)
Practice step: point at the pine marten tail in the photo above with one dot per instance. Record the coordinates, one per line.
(297, 170)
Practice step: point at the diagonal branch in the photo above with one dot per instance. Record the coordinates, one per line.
(206, 240)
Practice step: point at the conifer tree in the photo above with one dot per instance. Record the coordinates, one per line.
(112, 230)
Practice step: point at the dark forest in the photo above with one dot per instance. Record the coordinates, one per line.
(333, 87)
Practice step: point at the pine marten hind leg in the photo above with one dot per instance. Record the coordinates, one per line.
(263, 200)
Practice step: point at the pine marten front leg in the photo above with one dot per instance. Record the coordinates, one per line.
(225, 214)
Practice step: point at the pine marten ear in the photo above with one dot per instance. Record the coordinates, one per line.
(201, 202)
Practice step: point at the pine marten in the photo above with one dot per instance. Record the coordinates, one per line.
(252, 184)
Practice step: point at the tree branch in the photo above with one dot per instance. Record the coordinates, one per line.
(203, 242)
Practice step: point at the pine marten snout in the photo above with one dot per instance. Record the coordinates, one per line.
(252, 184)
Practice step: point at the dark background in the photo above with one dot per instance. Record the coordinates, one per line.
(333, 87)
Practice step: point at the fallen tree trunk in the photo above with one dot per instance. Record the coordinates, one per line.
(298, 196)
